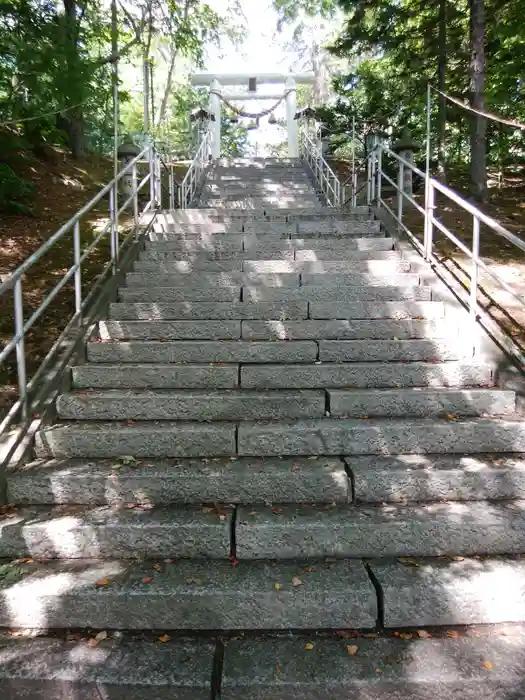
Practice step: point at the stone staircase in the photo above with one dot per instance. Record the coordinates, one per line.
(280, 473)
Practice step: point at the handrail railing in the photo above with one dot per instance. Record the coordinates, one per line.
(376, 176)
(30, 392)
(193, 178)
(323, 173)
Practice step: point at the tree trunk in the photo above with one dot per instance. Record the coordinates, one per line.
(442, 105)
(478, 135)
(74, 116)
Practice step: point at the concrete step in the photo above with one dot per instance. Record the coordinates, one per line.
(347, 229)
(339, 329)
(186, 267)
(145, 439)
(310, 329)
(193, 243)
(261, 439)
(333, 293)
(120, 482)
(376, 310)
(342, 253)
(217, 280)
(366, 375)
(458, 590)
(181, 293)
(350, 245)
(418, 402)
(220, 214)
(358, 279)
(187, 351)
(268, 251)
(275, 259)
(245, 247)
(155, 376)
(82, 532)
(436, 477)
(381, 437)
(233, 310)
(337, 225)
(311, 667)
(125, 668)
(212, 405)
(186, 595)
(309, 531)
(390, 266)
(415, 350)
(180, 330)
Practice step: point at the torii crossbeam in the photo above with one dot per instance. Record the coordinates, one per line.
(289, 81)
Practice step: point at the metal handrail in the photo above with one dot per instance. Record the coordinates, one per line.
(376, 175)
(193, 178)
(323, 173)
(32, 392)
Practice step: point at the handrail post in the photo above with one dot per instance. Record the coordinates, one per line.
(135, 198)
(354, 188)
(429, 225)
(474, 274)
(171, 180)
(379, 165)
(113, 228)
(400, 182)
(158, 181)
(78, 271)
(152, 175)
(20, 346)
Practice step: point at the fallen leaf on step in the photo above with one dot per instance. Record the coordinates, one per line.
(277, 510)
(101, 636)
(458, 558)
(165, 638)
(296, 581)
(277, 586)
(453, 634)
(103, 582)
(92, 643)
(234, 561)
(157, 567)
(352, 649)
(452, 416)
(127, 459)
(131, 422)
(405, 635)
(407, 561)
(424, 634)
(277, 669)
(309, 646)
(487, 665)
(147, 579)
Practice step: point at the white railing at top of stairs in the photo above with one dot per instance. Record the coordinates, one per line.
(327, 180)
(194, 177)
(124, 224)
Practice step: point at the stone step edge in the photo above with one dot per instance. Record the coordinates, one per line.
(206, 669)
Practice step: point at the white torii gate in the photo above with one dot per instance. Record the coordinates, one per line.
(289, 80)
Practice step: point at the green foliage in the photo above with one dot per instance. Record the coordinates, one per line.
(394, 48)
(15, 192)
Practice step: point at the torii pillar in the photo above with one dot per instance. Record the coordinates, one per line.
(290, 81)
